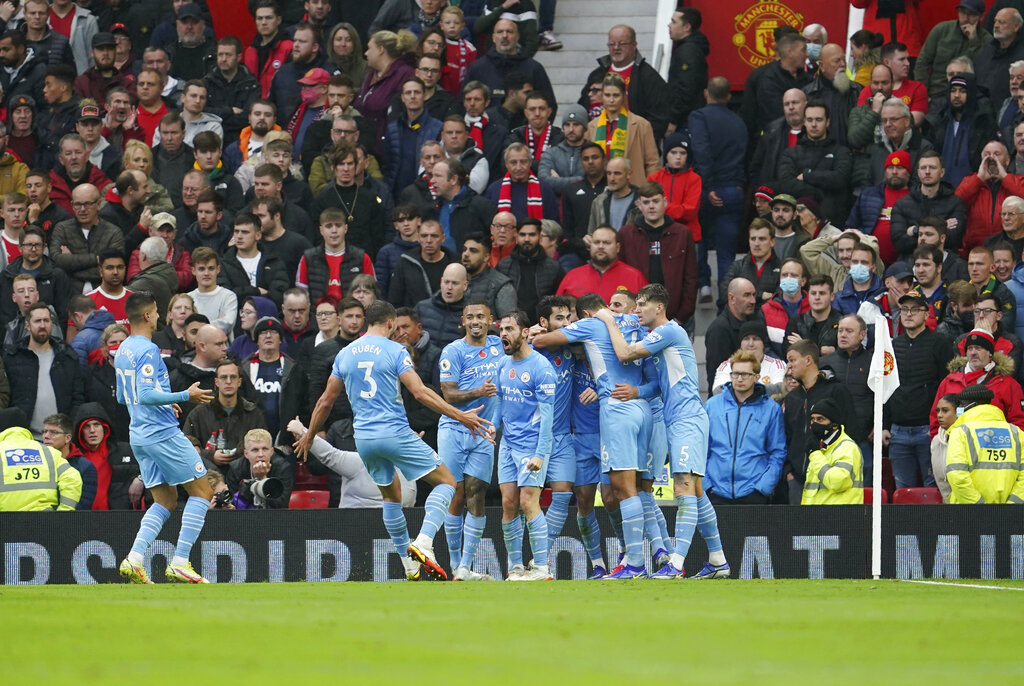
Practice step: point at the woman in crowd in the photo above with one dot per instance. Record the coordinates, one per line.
(137, 155)
(171, 338)
(252, 310)
(622, 133)
(365, 289)
(387, 69)
(945, 411)
(345, 52)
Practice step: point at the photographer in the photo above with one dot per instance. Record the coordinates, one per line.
(264, 479)
(221, 495)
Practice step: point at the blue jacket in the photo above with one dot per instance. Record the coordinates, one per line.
(387, 260)
(1016, 285)
(404, 143)
(848, 301)
(746, 444)
(718, 139)
(865, 212)
(88, 339)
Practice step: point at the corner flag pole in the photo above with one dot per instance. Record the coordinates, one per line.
(883, 379)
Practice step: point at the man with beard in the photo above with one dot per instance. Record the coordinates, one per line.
(983, 194)
(230, 87)
(818, 165)
(961, 126)
(833, 87)
(262, 114)
(74, 169)
(994, 60)
(605, 273)
(898, 134)
(789, 235)
(538, 134)
(778, 136)
(930, 196)
(285, 90)
(98, 79)
(119, 122)
(948, 39)
(871, 215)
(22, 72)
(864, 126)
(193, 53)
(533, 274)
(912, 93)
(560, 164)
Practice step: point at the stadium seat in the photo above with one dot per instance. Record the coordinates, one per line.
(888, 481)
(304, 480)
(545, 498)
(917, 496)
(309, 500)
(869, 494)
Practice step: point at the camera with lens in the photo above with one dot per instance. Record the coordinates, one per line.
(259, 491)
(222, 499)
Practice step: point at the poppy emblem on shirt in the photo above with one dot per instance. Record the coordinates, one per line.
(482, 354)
(511, 373)
(558, 361)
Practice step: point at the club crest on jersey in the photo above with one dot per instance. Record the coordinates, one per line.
(525, 376)
(494, 351)
(198, 466)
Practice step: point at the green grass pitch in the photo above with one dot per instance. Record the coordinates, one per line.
(685, 632)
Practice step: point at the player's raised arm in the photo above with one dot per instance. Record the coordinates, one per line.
(623, 350)
(323, 408)
(478, 426)
(551, 339)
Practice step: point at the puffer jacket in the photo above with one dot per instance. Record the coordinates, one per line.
(22, 365)
(682, 191)
(442, 320)
(747, 444)
(999, 380)
(273, 56)
(985, 200)
(88, 337)
(12, 174)
(548, 272)
(826, 166)
(123, 466)
(913, 206)
(495, 288)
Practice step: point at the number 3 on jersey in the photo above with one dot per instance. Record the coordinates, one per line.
(127, 379)
(367, 368)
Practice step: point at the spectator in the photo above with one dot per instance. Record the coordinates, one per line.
(560, 163)
(834, 470)
(260, 115)
(406, 134)
(96, 81)
(231, 89)
(1012, 131)
(551, 242)
(100, 380)
(298, 73)
(58, 119)
(780, 135)
(680, 182)
(979, 268)
(933, 231)
(248, 477)
(931, 196)
(253, 309)
(1005, 48)
(151, 106)
(270, 46)
(688, 70)
(662, 250)
(831, 254)
(437, 101)
(76, 251)
(24, 72)
(246, 269)
(988, 316)
(785, 307)
(833, 87)
(754, 340)
(768, 86)
(227, 418)
(460, 210)
(538, 134)
(271, 181)
(946, 411)
(57, 433)
(722, 338)
(298, 325)
(985, 190)
(24, 294)
(850, 364)
(209, 230)
(963, 36)
(1002, 261)
(278, 380)
(74, 169)
(964, 124)
(865, 123)
(616, 205)
(744, 464)
(51, 282)
(155, 275)
(930, 284)
(520, 191)
(820, 323)
(976, 474)
(863, 284)
(45, 375)
(124, 204)
(98, 151)
(532, 273)
(505, 56)
(898, 134)
(418, 273)
(41, 210)
(55, 486)
(321, 361)
(815, 385)
(49, 46)
(604, 274)
(441, 314)
(216, 302)
(789, 234)
(622, 133)
(385, 75)
(193, 52)
(288, 245)
(485, 282)
(1011, 216)
(486, 126)
(208, 151)
(420, 190)
(364, 211)
(406, 221)
(874, 207)
(719, 148)
(578, 197)
(760, 267)
(460, 147)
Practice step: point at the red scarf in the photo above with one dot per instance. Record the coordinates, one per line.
(476, 129)
(534, 200)
(430, 186)
(531, 141)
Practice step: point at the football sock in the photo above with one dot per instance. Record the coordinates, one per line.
(651, 528)
(152, 522)
(707, 524)
(633, 530)
(686, 522)
(663, 526)
(513, 541)
(192, 519)
(538, 528)
(453, 534)
(436, 507)
(556, 514)
(474, 531)
(394, 522)
(590, 530)
(616, 517)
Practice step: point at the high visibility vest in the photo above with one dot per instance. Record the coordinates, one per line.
(835, 475)
(983, 458)
(34, 477)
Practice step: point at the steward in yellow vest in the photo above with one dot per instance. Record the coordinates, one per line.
(33, 476)
(835, 471)
(983, 458)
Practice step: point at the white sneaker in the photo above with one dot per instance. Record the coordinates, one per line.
(466, 574)
(704, 295)
(537, 573)
(516, 573)
(549, 41)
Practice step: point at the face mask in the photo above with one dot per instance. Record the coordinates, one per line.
(789, 285)
(959, 411)
(820, 431)
(309, 96)
(860, 273)
(813, 50)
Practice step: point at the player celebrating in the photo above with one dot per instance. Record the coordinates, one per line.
(370, 370)
(165, 456)
(468, 368)
(586, 438)
(526, 386)
(625, 424)
(686, 422)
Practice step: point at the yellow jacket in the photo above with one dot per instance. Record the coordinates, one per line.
(983, 460)
(34, 477)
(835, 475)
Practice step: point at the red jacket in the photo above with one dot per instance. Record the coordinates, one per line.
(177, 257)
(1000, 381)
(982, 209)
(280, 50)
(678, 264)
(60, 191)
(776, 318)
(586, 279)
(682, 190)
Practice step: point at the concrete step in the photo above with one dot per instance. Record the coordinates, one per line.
(571, 11)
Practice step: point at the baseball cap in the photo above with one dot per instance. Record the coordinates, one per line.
(162, 218)
(22, 101)
(898, 270)
(103, 39)
(898, 158)
(785, 198)
(119, 28)
(575, 113)
(914, 296)
(315, 76)
(189, 10)
(976, 6)
(89, 112)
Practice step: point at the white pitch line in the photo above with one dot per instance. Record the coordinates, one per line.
(953, 583)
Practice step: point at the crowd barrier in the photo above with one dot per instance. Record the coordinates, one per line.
(919, 541)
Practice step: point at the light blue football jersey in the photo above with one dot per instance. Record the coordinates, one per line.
(677, 370)
(145, 389)
(524, 386)
(562, 363)
(586, 419)
(604, 364)
(370, 368)
(470, 366)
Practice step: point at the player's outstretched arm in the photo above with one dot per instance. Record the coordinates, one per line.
(151, 396)
(320, 412)
(551, 339)
(623, 350)
(478, 426)
(451, 393)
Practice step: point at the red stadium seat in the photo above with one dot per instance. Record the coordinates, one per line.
(869, 494)
(888, 482)
(545, 497)
(917, 496)
(309, 500)
(304, 481)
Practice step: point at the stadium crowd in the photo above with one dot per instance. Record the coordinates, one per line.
(267, 194)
